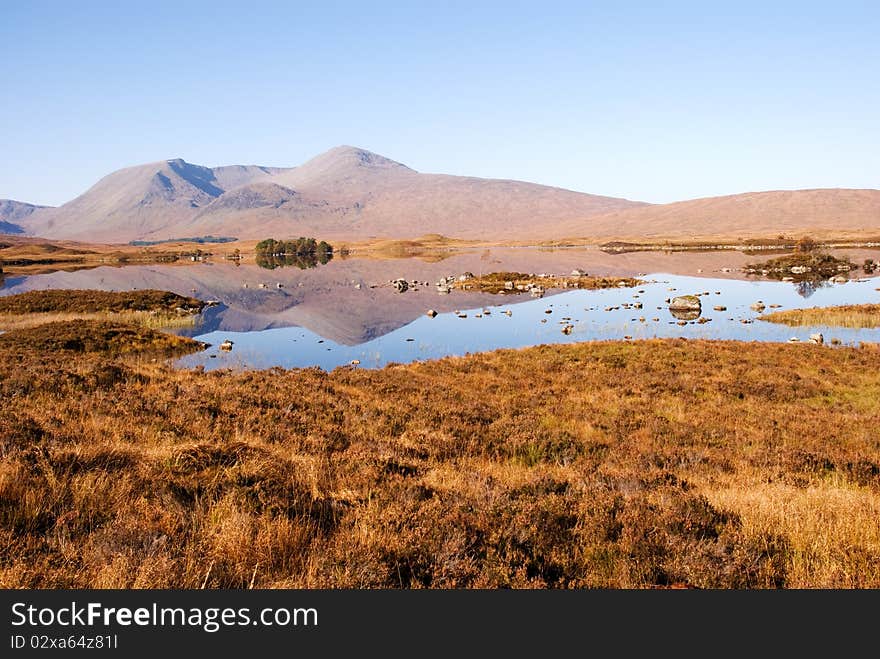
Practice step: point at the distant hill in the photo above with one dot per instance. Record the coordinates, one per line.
(832, 211)
(349, 193)
(344, 193)
(11, 212)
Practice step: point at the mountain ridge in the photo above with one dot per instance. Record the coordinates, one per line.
(351, 193)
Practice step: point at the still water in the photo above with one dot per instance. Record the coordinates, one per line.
(346, 310)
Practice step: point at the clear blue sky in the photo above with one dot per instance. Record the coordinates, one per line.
(656, 101)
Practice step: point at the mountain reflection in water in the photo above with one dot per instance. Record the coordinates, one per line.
(278, 316)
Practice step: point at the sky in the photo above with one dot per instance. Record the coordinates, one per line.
(653, 101)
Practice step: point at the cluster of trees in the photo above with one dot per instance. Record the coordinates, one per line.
(299, 247)
(302, 252)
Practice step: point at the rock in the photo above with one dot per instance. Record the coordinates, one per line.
(401, 285)
(507, 312)
(577, 272)
(226, 345)
(685, 303)
(840, 279)
(567, 329)
(794, 339)
(279, 285)
(466, 276)
(817, 338)
(719, 307)
(685, 307)
(757, 306)
(508, 286)
(431, 313)
(355, 362)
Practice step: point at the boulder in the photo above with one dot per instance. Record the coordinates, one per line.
(817, 338)
(685, 303)
(431, 313)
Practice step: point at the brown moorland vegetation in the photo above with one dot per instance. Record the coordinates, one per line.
(814, 265)
(146, 308)
(92, 301)
(857, 316)
(93, 336)
(654, 463)
(518, 282)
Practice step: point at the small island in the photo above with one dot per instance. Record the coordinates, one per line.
(301, 252)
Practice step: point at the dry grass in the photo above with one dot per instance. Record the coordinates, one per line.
(91, 301)
(92, 336)
(519, 282)
(150, 319)
(147, 308)
(729, 465)
(857, 316)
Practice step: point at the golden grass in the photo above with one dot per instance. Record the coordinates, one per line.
(857, 316)
(151, 319)
(663, 462)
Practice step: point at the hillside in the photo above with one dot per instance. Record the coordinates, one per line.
(11, 212)
(824, 211)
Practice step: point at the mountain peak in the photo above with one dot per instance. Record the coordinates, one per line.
(353, 155)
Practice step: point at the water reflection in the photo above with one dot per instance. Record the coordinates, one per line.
(301, 261)
(278, 316)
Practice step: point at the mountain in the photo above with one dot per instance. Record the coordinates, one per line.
(344, 193)
(349, 193)
(832, 211)
(139, 201)
(11, 212)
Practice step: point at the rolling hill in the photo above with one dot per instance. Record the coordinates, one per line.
(831, 212)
